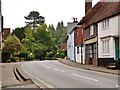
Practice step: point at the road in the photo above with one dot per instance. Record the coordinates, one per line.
(58, 75)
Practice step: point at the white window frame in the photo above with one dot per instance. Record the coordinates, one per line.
(105, 24)
(106, 46)
(91, 30)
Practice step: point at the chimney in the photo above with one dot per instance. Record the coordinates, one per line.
(88, 5)
(75, 20)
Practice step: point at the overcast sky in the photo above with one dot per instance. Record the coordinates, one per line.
(53, 11)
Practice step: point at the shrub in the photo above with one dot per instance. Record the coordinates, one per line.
(61, 53)
(5, 56)
(13, 59)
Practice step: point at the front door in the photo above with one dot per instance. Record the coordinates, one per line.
(117, 49)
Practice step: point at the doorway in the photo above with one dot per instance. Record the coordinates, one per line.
(117, 49)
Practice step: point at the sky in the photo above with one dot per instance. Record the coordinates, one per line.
(54, 11)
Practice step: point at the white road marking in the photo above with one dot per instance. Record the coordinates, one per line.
(85, 77)
(62, 70)
(56, 69)
(117, 85)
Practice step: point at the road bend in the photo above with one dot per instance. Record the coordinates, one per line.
(58, 75)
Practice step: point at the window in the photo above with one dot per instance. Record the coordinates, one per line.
(94, 51)
(77, 50)
(76, 34)
(105, 46)
(91, 30)
(90, 51)
(105, 24)
(82, 31)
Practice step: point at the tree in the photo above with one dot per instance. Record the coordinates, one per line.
(51, 29)
(39, 41)
(45, 42)
(12, 45)
(19, 32)
(60, 33)
(35, 19)
(29, 40)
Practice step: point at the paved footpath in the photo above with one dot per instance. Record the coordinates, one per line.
(89, 67)
(8, 79)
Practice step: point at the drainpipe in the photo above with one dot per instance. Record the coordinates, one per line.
(81, 56)
(119, 35)
(97, 45)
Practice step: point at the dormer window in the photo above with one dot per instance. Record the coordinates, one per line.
(91, 30)
(105, 24)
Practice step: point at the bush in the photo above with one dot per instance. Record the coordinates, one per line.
(50, 54)
(5, 57)
(31, 57)
(13, 59)
(23, 55)
(61, 53)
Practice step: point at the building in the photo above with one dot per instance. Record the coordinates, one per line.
(78, 40)
(90, 33)
(63, 46)
(70, 40)
(108, 33)
(6, 32)
(101, 35)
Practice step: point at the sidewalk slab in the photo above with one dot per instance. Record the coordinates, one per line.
(8, 77)
(9, 80)
(89, 67)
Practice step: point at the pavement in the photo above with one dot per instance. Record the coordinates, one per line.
(89, 67)
(9, 80)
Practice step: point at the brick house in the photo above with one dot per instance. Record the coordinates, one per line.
(90, 33)
(63, 46)
(78, 40)
(103, 14)
(6, 32)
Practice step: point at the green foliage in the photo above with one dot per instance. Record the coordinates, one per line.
(13, 59)
(34, 19)
(12, 45)
(50, 54)
(38, 42)
(61, 53)
(5, 56)
(60, 33)
(51, 29)
(19, 32)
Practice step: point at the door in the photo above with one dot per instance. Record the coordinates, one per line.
(117, 49)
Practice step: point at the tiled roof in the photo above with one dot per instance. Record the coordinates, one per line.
(101, 11)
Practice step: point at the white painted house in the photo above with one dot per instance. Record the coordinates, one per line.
(108, 39)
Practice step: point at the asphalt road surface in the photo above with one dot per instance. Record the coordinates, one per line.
(58, 75)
